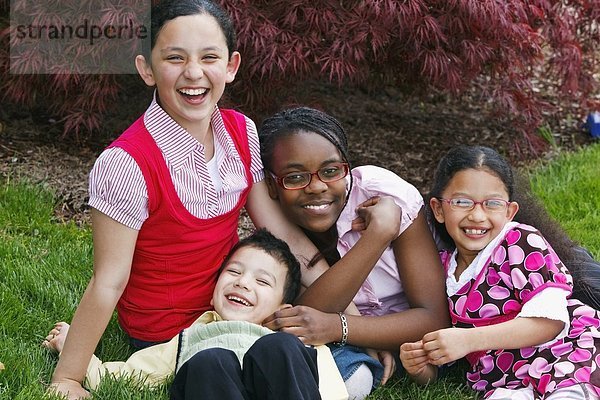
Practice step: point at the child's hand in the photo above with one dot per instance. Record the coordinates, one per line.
(380, 215)
(446, 345)
(69, 388)
(387, 360)
(311, 326)
(414, 357)
(416, 363)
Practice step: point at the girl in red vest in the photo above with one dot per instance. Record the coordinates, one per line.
(166, 195)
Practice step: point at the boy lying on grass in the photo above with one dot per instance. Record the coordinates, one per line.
(259, 276)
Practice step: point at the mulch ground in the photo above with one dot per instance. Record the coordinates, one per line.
(402, 133)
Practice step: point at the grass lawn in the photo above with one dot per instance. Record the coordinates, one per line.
(45, 265)
(569, 187)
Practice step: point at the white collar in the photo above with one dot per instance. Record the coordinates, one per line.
(480, 261)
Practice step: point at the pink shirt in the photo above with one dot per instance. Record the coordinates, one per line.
(117, 187)
(382, 291)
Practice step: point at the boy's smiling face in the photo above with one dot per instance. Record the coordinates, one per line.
(250, 287)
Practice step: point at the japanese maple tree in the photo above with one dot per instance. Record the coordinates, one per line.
(501, 48)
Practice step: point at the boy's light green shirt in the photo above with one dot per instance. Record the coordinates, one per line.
(155, 364)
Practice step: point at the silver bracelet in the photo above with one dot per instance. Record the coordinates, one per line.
(344, 330)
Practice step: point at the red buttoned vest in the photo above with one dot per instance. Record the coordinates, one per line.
(177, 255)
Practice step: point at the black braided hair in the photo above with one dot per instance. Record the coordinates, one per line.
(294, 120)
(304, 119)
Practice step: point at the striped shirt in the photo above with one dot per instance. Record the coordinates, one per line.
(117, 187)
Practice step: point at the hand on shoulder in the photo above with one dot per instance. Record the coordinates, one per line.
(380, 216)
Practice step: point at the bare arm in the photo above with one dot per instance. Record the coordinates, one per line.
(422, 277)
(114, 244)
(266, 213)
(447, 345)
(337, 286)
(423, 281)
(314, 327)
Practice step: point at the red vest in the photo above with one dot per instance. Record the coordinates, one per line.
(177, 255)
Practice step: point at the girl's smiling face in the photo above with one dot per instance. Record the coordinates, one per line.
(316, 207)
(190, 66)
(473, 230)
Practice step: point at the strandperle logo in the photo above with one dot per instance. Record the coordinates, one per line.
(77, 37)
(84, 31)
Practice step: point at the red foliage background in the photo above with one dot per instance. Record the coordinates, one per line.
(505, 50)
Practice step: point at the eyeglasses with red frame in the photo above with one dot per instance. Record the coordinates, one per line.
(300, 180)
(466, 204)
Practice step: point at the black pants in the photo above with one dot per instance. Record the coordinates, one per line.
(278, 366)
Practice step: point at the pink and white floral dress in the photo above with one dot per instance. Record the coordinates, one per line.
(519, 275)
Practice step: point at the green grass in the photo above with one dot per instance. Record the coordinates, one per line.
(45, 265)
(569, 188)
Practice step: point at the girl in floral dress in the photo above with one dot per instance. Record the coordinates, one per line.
(509, 294)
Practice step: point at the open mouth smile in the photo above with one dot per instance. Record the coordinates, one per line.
(476, 232)
(317, 207)
(193, 96)
(239, 300)
(193, 92)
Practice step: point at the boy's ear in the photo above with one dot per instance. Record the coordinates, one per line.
(436, 207)
(271, 186)
(145, 70)
(512, 210)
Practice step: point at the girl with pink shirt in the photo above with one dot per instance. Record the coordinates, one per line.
(510, 295)
(397, 286)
